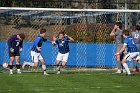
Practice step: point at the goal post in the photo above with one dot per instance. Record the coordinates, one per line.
(93, 46)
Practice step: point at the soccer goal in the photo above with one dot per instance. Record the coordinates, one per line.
(90, 28)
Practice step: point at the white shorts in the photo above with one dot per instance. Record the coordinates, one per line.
(36, 56)
(131, 56)
(138, 58)
(62, 57)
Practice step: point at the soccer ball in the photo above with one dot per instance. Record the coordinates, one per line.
(4, 65)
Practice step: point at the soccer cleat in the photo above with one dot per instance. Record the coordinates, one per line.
(11, 72)
(58, 72)
(123, 71)
(23, 65)
(45, 74)
(118, 71)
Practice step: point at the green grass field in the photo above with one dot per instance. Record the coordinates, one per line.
(72, 82)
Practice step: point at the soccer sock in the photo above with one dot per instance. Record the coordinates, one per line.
(58, 68)
(18, 67)
(44, 67)
(119, 64)
(126, 68)
(11, 67)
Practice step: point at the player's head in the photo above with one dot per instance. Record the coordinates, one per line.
(125, 33)
(137, 28)
(61, 35)
(119, 24)
(21, 36)
(42, 32)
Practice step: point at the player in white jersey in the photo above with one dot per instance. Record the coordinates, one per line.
(136, 38)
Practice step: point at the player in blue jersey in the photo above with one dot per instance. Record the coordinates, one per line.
(15, 44)
(117, 32)
(36, 52)
(131, 49)
(63, 47)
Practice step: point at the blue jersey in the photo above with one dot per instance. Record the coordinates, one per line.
(131, 46)
(15, 43)
(38, 43)
(63, 45)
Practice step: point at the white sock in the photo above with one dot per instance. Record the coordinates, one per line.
(44, 67)
(11, 70)
(29, 63)
(58, 68)
(126, 68)
(18, 70)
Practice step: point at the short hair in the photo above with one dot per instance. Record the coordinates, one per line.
(125, 32)
(42, 31)
(22, 36)
(62, 33)
(137, 27)
(119, 24)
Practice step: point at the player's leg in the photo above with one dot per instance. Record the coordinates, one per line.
(58, 59)
(128, 57)
(65, 58)
(11, 64)
(118, 59)
(31, 64)
(18, 64)
(43, 64)
(124, 61)
(119, 64)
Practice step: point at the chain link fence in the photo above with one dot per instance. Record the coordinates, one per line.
(89, 29)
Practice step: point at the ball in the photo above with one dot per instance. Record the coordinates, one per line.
(5, 65)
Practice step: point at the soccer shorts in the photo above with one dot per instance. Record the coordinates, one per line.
(62, 57)
(131, 56)
(138, 57)
(14, 54)
(118, 47)
(36, 56)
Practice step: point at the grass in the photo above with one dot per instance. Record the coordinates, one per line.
(72, 82)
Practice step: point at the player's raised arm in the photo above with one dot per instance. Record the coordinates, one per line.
(113, 31)
(71, 39)
(54, 40)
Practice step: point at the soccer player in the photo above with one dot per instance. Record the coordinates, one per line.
(15, 44)
(63, 47)
(36, 52)
(131, 48)
(117, 31)
(136, 38)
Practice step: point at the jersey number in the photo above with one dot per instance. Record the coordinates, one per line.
(136, 36)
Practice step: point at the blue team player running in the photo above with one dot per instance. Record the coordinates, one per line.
(131, 49)
(15, 44)
(36, 52)
(63, 46)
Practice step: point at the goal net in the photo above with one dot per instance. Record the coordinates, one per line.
(90, 28)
